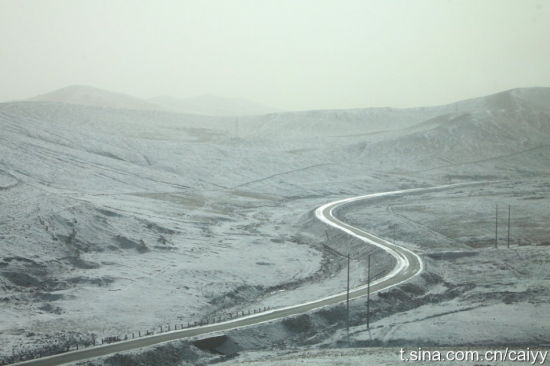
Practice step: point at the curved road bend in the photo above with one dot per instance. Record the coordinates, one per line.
(408, 264)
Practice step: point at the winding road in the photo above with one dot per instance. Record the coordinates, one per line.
(408, 264)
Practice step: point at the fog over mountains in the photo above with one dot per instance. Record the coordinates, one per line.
(205, 104)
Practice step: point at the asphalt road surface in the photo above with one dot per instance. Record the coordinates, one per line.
(408, 264)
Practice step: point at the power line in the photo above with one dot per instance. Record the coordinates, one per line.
(348, 257)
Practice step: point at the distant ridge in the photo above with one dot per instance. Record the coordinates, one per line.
(204, 105)
(295, 122)
(89, 95)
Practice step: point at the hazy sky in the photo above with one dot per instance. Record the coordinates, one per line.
(291, 54)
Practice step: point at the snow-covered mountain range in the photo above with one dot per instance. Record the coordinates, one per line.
(104, 194)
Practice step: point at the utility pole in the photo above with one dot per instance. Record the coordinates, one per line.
(509, 209)
(496, 226)
(347, 301)
(368, 292)
(347, 286)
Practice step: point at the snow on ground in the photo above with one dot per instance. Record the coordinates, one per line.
(480, 294)
(116, 220)
(469, 296)
(7, 181)
(130, 246)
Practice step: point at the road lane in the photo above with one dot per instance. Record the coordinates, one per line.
(408, 264)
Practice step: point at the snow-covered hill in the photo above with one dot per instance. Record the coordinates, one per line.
(511, 104)
(88, 95)
(513, 124)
